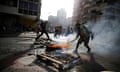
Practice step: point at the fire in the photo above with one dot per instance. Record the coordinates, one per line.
(59, 45)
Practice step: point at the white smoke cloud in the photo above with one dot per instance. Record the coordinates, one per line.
(107, 34)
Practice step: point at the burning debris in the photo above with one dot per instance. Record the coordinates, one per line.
(55, 56)
(59, 45)
(60, 61)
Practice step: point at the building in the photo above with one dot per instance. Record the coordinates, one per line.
(18, 14)
(87, 10)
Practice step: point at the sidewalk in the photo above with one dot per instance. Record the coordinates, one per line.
(27, 34)
(22, 34)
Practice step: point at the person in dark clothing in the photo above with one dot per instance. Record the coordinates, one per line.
(85, 35)
(56, 33)
(77, 26)
(43, 29)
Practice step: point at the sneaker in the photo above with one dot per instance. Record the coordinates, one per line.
(75, 51)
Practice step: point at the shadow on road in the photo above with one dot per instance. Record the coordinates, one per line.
(90, 64)
(9, 60)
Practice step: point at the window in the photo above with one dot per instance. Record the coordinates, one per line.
(36, 0)
(28, 7)
(35, 7)
(12, 3)
(23, 5)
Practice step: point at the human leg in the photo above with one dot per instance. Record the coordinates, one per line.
(86, 44)
(77, 46)
(47, 35)
(39, 36)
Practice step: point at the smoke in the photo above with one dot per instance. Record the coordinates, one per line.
(107, 32)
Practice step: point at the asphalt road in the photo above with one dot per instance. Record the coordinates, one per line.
(16, 47)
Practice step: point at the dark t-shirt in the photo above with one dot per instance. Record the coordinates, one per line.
(43, 26)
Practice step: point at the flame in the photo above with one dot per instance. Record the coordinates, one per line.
(59, 45)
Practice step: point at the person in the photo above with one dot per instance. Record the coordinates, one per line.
(85, 35)
(77, 26)
(58, 31)
(43, 30)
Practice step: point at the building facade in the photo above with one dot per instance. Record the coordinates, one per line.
(87, 10)
(18, 13)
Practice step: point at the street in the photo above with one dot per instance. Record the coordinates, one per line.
(15, 49)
